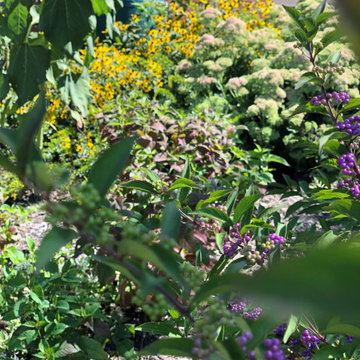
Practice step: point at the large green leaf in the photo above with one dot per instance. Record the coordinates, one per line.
(28, 129)
(65, 23)
(17, 20)
(109, 165)
(347, 207)
(51, 243)
(176, 347)
(92, 348)
(213, 213)
(27, 70)
(139, 185)
(331, 37)
(170, 222)
(8, 137)
(308, 77)
(244, 204)
(100, 7)
(77, 88)
(322, 282)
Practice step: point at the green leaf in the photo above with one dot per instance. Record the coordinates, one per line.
(175, 347)
(17, 20)
(16, 256)
(92, 348)
(346, 329)
(183, 183)
(331, 37)
(306, 283)
(8, 165)
(308, 77)
(329, 194)
(244, 205)
(170, 222)
(292, 325)
(327, 351)
(4, 86)
(160, 328)
(77, 88)
(320, 9)
(301, 36)
(353, 103)
(296, 16)
(100, 7)
(151, 175)
(28, 129)
(278, 159)
(30, 244)
(139, 185)
(170, 262)
(322, 18)
(27, 70)
(185, 174)
(213, 213)
(65, 23)
(106, 169)
(53, 241)
(323, 140)
(347, 207)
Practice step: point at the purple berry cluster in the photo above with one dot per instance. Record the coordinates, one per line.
(351, 125)
(310, 341)
(238, 307)
(273, 350)
(268, 246)
(201, 352)
(211, 225)
(235, 240)
(280, 331)
(352, 185)
(349, 339)
(246, 311)
(253, 314)
(347, 162)
(336, 97)
(242, 341)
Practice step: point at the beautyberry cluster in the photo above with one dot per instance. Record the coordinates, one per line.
(330, 68)
(253, 314)
(235, 240)
(153, 306)
(280, 331)
(194, 276)
(255, 256)
(351, 125)
(309, 340)
(274, 352)
(334, 97)
(346, 163)
(211, 225)
(242, 341)
(247, 312)
(205, 328)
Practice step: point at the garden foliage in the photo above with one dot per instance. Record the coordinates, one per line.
(165, 129)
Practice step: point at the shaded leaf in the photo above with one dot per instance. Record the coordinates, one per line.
(65, 23)
(106, 169)
(176, 347)
(53, 241)
(244, 205)
(27, 70)
(139, 185)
